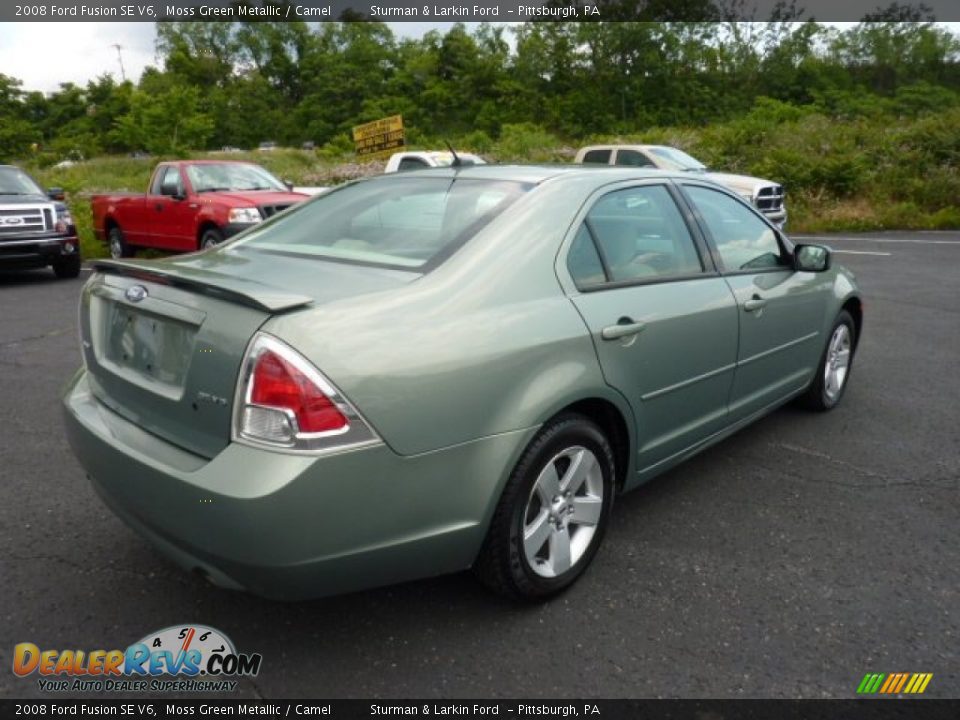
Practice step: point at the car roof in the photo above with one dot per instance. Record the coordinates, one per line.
(434, 153)
(618, 146)
(536, 174)
(206, 161)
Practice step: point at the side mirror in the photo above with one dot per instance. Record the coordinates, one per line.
(55, 193)
(172, 190)
(811, 258)
(289, 184)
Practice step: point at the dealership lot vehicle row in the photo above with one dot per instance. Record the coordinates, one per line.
(787, 561)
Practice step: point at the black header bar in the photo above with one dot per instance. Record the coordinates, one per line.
(200, 707)
(475, 10)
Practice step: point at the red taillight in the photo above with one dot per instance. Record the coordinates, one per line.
(278, 384)
(284, 402)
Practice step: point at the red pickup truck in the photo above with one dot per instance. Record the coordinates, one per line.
(189, 205)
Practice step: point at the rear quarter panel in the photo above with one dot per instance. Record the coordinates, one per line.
(487, 343)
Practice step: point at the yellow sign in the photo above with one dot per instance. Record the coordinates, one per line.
(379, 136)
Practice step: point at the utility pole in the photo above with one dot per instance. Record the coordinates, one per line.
(119, 47)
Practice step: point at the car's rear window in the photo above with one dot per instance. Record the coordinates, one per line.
(404, 222)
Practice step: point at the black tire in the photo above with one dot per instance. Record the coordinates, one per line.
(818, 396)
(117, 243)
(209, 238)
(67, 268)
(502, 563)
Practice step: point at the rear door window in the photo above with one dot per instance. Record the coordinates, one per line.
(584, 262)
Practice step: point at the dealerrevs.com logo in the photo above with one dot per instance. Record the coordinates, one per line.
(199, 658)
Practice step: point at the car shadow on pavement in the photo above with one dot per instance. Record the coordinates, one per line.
(39, 276)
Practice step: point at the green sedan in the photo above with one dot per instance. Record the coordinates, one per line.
(443, 369)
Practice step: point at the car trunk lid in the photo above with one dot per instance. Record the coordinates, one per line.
(163, 341)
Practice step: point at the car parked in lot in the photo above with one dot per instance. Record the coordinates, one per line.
(422, 372)
(36, 227)
(420, 159)
(766, 195)
(189, 205)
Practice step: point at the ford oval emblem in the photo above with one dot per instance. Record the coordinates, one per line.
(135, 293)
(12, 221)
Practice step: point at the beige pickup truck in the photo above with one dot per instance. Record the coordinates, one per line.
(765, 195)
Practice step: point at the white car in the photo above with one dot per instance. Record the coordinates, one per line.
(419, 159)
(766, 195)
(309, 189)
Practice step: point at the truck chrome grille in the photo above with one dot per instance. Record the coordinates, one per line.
(24, 219)
(270, 210)
(770, 198)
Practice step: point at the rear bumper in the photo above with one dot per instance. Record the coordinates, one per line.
(37, 252)
(291, 526)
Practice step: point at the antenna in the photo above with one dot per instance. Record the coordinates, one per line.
(119, 47)
(456, 158)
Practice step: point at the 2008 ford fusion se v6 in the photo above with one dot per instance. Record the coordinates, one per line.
(442, 369)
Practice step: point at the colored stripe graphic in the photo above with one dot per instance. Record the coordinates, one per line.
(870, 683)
(918, 683)
(891, 683)
(894, 683)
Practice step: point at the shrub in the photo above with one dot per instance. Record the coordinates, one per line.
(525, 142)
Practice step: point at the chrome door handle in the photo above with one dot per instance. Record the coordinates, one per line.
(754, 303)
(625, 327)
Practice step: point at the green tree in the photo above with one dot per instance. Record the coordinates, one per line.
(165, 122)
(17, 132)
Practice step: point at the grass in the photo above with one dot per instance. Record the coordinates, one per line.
(842, 175)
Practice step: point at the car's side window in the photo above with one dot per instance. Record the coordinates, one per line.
(411, 163)
(596, 157)
(169, 182)
(633, 158)
(158, 177)
(638, 234)
(584, 262)
(744, 241)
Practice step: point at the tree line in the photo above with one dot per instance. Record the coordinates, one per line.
(238, 84)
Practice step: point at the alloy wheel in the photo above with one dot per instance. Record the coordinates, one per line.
(837, 363)
(562, 512)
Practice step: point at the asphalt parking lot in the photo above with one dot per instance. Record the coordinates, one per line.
(787, 561)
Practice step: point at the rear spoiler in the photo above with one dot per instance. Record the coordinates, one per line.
(238, 290)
